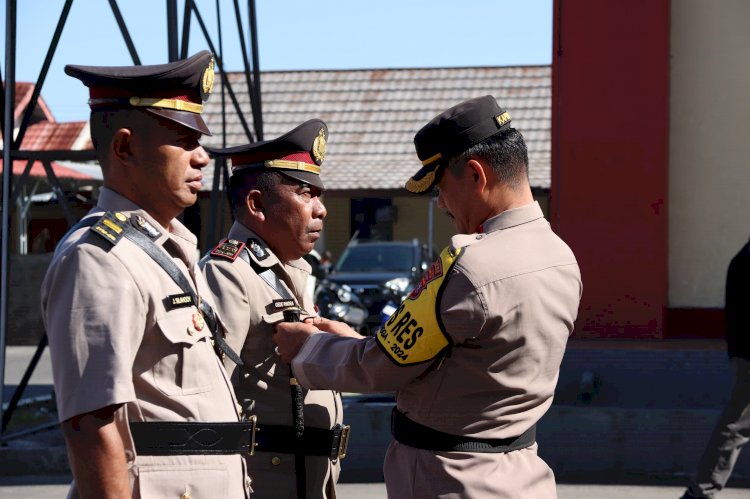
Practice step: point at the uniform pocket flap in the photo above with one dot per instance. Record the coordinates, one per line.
(273, 318)
(185, 325)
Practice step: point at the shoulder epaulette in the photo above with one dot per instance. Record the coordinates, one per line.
(110, 226)
(228, 248)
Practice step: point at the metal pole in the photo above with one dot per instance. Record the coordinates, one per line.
(224, 79)
(257, 113)
(42, 74)
(2, 111)
(172, 30)
(186, 28)
(13, 404)
(223, 92)
(257, 124)
(10, 87)
(125, 32)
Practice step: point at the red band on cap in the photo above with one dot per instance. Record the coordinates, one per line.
(115, 93)
(247, 159)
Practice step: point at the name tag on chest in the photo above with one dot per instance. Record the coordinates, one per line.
(179, 301)
(283, 304)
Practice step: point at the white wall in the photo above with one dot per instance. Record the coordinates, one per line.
(709, 166)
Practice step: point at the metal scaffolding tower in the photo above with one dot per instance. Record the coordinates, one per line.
(11, 146)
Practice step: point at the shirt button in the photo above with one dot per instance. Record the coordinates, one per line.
(186, 495)
(480, 236)
(248, 482)
(275, 460)
(190, 330)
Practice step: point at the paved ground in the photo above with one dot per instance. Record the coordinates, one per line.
(56, 486)
(17, 359)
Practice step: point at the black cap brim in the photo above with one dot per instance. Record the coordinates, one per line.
(306, 177)
(193, 121)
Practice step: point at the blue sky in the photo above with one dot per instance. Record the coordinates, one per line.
(292, 35)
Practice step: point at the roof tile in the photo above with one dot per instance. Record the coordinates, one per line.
(373, 114)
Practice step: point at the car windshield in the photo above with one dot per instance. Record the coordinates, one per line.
(376, 258)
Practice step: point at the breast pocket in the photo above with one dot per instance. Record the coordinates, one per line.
(195, 482)
(188, 365)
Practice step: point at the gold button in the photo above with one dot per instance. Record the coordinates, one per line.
(186, 495)
(191, 331)
(275, 460)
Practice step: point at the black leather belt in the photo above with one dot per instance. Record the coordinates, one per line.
(169, 438)
(315, 441)
(419, 436)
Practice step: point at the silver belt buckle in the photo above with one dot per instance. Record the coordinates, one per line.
(344, 441)
(254, 420)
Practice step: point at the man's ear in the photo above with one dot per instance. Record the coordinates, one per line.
(121, 146)
(254, 205)
(478, 175)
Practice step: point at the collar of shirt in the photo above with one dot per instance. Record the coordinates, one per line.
(184, 240)
(510, 218)
(243, 234)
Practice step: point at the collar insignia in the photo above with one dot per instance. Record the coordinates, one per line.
(257, 249)
(141, 224)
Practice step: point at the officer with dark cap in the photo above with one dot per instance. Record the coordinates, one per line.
(474, 351)
(145, 404)
(259, 276)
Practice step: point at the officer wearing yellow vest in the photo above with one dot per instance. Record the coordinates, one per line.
(473, 353)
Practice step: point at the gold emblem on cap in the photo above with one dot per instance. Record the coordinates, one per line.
(502, 118)
(421, 185)
(319, 147)
(207, 81)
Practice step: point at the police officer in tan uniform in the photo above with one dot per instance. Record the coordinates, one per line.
(145, 404)
(474, 351)
(258, 275)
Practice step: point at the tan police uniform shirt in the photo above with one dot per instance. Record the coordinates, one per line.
(114, 340)
(508, 305)
(246, 303)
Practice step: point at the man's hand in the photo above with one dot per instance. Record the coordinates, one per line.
(289, 338)
(97, 454)
(334, 327)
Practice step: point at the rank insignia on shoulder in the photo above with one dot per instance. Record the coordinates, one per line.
(257, 248)
(228, 248)
(111, 226)
(142, 224)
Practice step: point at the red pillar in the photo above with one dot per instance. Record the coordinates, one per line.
(610, 163)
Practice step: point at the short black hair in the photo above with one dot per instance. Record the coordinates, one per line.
(244, 181)
(505, 152)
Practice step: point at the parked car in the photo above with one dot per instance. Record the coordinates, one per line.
(380, 274)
